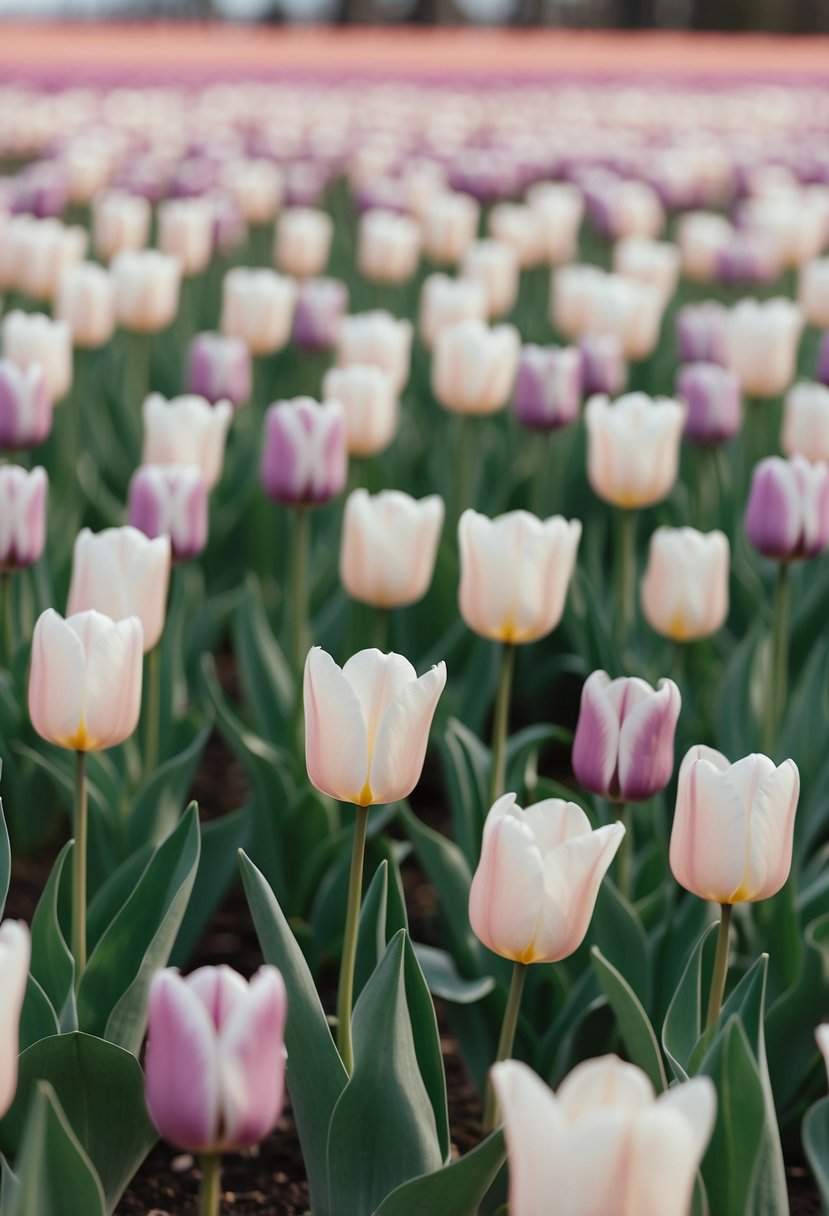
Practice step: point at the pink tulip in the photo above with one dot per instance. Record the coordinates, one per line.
(15, 950)
(685, 584)
(123, 573)
(26, 410)
(23, 495)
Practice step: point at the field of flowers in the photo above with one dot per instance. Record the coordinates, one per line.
(434, 479)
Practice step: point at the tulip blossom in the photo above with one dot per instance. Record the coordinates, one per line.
(185, 231)
(624, 743)
(122, 573)
(603, 364)
(548, 388)
(389, 546)
(377, 337)
(15, 952)
(474, 367)
(587, 300)
(445, 301)
(702, 236)
(806, 422)
(388, 246)
(186, 430)
(86, 299)
(370, 400)
(814, 292)
(822, 1036)
(218, 367)
(367, 724)
(26, 410)
(321, 306)
(30, 337)
(449, 224)
(702, 333)
(493, 264)
(258, 307)
(304, 460)
(538, 878)
(520, 226)
(604, 1144)
(515, 571)
(787, 517)
(215, 1061)
(303, 241)
(655, 263)
(763, 338)
(120, 221)
(633, 448)
(712, 395)
(170, 500)
(685, 585)
(622, 208)
(47, 249)
(733, 826)
(85, 680)
(23, 495)
(560, 208)
(257, 184)
(147, 287)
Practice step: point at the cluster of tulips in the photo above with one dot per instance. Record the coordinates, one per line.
(224, 309)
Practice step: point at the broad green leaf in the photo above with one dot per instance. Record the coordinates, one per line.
(221, 840)
(456, 1190)
(445, 981)
(685, 1018)
(38, 1019)
(159, 803)
(315, 1073)
(733, 1155)
(816, 1146)
(114, 893)
(427, 1043)
(52, 964)
(9, 1186)
(54, 1173)
(466, 766)
(793, 1016)
(618, 932)
(265, 674)
(634, 1026)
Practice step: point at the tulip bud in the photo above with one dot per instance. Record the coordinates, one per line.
(303, 241)
(321, 306)
(85, 679)
(120, 221)
(304, 460)
(122, 573)
(445, 301)
(521, 227)
(535, 888)
(219, 368)
(604, 1139)
(806, 422)
(380, 712)
(731, 841)
(449, 225)
(763, 338)
(187, 430)
(654, 263)
(788, 508)
(548, 388)
(702, 236)
(171, 500)
(215, 1061)
(813, 292)
(474, 367)
(685, 585)
(185, 231)
(258, 307)
(515, 571)
(371, 406)
(560, 208)
(712, 395)
(377, 337)
(702, 333)
(603, 366)
(624, 743)
(31, 337)
(25, 406)
(633, 448)
(257, 185)
(86, 299)
(389, 546)
(146, 289)
(15, 952)
(23, 495)
(388, 246)
(493, 264)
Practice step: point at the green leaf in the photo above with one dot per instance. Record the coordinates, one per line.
(158, 805)
(816, 1146)
(52, 964)
(427, 1043)
(55, 1175)
(38, 1019)
(382, 1130)
(618, 932)
(456, 1190)
(9, 1187)
(315, 1074)
(112, 996)
(466, 764)
(445, 981)
(731, 1160)
(634, 1025)
(684, 1020)
(5, 860)
(793, 1016)
(265, 674)
(221, 840)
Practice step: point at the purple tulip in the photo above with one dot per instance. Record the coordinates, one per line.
(219, 367)
(305, 460)
(215, 1064)
(22, 516)
(41, 189)
(548, 386)
(624, 743)
(702, 333)
(603, 368)
(26, 408)
(822, 370)
(321, 305)
(788, 508)
(171, 500)
(714, 407)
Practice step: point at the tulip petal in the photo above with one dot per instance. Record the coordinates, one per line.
(57, 679)
(534, 1129)
(572, 876)
(604, 1082)
(252, 1061)
(596, 743)
(508, 885)
(402, 736)
(376, 679)
(220, 989)
(112, 690)
(15, 952)
(708, 840)
(771, 831)
(667, 1144)
(336, 739)
(646, 744)
(181, 1067)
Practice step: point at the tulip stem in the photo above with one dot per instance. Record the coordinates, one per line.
(627, 574)
(345, 994)
(501, 722)
(506, 1040)
(211, 1185)
(720, 969)
(153, 712)
(9, 644)
(624, 872)
(79, 867)
(776, 692)
(299, 591)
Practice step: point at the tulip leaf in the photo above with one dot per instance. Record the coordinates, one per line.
(55, 1176)
(114, 893)
(456, 1190)
(220, 841)
(793, 1016)
(427, 1043)
(52, 964)
(466, 763)
(158, 805)
(684, 1020)
(112, 996)
(816, 1146)
(634, 1025)
(265, 674)
(617, 930)
(38, 1019)
(9, 1186)
(444, 979)
(372, 938)
(522, 748)
(733, 1156)
(315, 1074)
(382, 1129)
(5, 860)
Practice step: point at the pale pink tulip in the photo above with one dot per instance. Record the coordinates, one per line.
(187, 430)
(370, 400)
(389, 546)
(685, 585)
(474, 367)
(122, 573)
(23, 494)
(303, 241)
(15, 951)
(633, 447)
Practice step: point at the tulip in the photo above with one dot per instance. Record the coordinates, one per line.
(186, 430)
(449, 224)
(371, 406)
(170, 500)
(377, 337)
(763, 338)
(23, 494)
(748, 257)
(822, 1036)
(389, 546)
(685, 585)
(806, 422)
(120, 221)
(46, 251)
(813, 292)
(257, 185)
(185, 231)
(219, 368)
(34, 338)
(702, 333)
(655, 263)
(215, 1060)
(548, 388)
(560, 208)
(474, 367)
(86, 299)
(493, 264)
(303, 241)
(633, 448)
(574, 304)
(388, 246)
(627, 208)
(702, 236)
(321, 306)
(258, 307)
(122, 573)
(304, 460)
(520, 226)
(146, 289)
(603, 366)
(604, 1142)
(587, 300)
(445, 301)
(25, 406)
(15, 952)
(788, 508)
(712, 395)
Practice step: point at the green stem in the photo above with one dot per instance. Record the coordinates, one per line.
(501, 722)
(299, 590)
(210, 1197)
(380, 622)
(776, 693)
(79, 868)
(464, 495)
(627, 574)
(624, 872)
(507, 1039)
(9, 641)
(152, 712)
(260, 394)
(345, 994)
(720, 969)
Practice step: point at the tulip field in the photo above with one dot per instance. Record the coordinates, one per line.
(414, 660)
